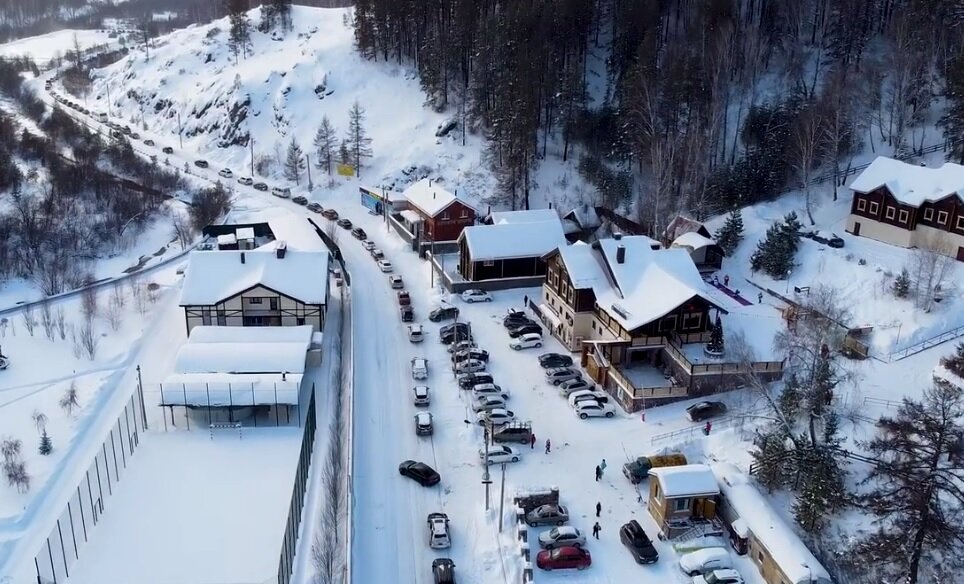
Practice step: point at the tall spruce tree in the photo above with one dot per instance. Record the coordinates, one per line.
(294, 162)
(776, 252)
(901, 287)
(46, 444)
(771, 459)
(917, 489)
(357, 140)
(730, 234)
(821, 488)
(239, 33)
(325, 143)
(716, 344)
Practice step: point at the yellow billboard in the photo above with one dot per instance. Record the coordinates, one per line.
(346, 170)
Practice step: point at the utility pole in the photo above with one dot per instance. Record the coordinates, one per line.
(108, 100)
(180, 130)
(502, 499)
(485, 473)
(308, 166)
(251, 144)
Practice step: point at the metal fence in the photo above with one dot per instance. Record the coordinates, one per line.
(87, 504)
(182, 408)
(297, 505)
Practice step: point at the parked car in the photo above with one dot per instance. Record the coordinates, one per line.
(469, 366)
(638, 543)
(260, 186)
(570, 387)
(344, 223)
(368, 245)
(637, 470)
(470, 380)
(148, 142)
(198, 163)
(403, 298)
(525, 329)
(415, 334)
(438, 531)
(527, 341)
(705, 559)
(594, 409)
(472, 353)
(394, 281)
(475, 295)
(461, 345)
(330, 214)
(245, 180)
(443, 571)
(419, 368)
(588, 395)
(406, 313)
(135, 136)
(558, 375)
(495, 417)
(454, 336)
(226, 173)
(420, 472)
(281, 193)
(560, 536)
(359, 233)
(423, 424)
(421, 397)
(385, 266)
(564, 558)
(520, 432)
(825, 237)
(549, 360)
(167, 150)
(489, 389)
(547, 515)
(315, 207)
(483, 403)
(705, 410)
(443, 313)
(300, 200)
(721, 576)
(499, 454)
(516, 319)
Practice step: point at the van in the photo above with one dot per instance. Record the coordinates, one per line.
(520, 432)
(102, 118)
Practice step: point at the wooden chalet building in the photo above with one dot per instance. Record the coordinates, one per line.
(910, 206)
(443, 215)
(683, 499)
(510, 248)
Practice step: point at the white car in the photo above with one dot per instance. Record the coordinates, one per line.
(499, 454)
(421, 396)
(560, 536)
(284, 193)
(377, 253)
(438, 531)
(709, 558)
(496, 417)
(587, 395)
(419, 368)
(527, 341)
(570, 387)
(489, 389)
(385, 266)
(469, 366)
(594, 409)
(245, 180)
(394, 281)
(721, 576)
(415, 333)
(484, 403)
(368, 245)
(476, 296)
(225, 172)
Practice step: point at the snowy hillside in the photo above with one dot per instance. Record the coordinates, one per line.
(281, 91)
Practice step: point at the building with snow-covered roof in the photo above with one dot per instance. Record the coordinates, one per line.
(683, 498)
(910, 205)
(756, 529)
(511, 249)
(276, 286)
(518, 217)
(705, 253)
(443, 214)
(680, 225)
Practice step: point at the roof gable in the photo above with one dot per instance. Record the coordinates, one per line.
(429, 197)
(911, 184)
(512, 240)
(688, 480)
(682, 224)
(213, 276)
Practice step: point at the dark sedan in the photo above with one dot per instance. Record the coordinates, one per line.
(299, 200)
(525, 329)
(470, 380)
(344, 223)
(516, 319)
(359, 233)
(550, 360)
(330, 214)
(419, 472)
(443, 313)
(260, 186)
(705, 410)
(638, 543)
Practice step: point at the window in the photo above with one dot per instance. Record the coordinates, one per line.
(257, 300)
(903, 216)
(273, 303)
(692, 320)
(206, 316)
(861, 204)
(960, 221)
(942, 217)
(222, 317)
(445, 216)
(657, 493)
(873, 207)
(759, 556)
(300, 321)
(668, 323)
(464, 213)
(488, 263)
(681, 504)
(929, 214)
(891, 212)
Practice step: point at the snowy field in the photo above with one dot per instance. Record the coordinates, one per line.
(54, 44)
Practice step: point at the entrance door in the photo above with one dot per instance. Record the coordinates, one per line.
(856, 228)
(960, 254)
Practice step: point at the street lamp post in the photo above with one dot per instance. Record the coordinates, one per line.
(788, 281)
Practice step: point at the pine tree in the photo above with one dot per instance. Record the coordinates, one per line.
(325, 143)
(716, 345)
(239, 34)
(358, 142)
(822, 486)
(294, 162)
(344, 154)
(775, 254)
(46, 444)
(955, 363)
(916, 493)
(771, 457)
(901, 287)
(730, 235)
(791, 399)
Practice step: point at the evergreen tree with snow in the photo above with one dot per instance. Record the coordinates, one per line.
(325, 144)
(730, 235)
(239, 32)
(901, 287)
(716, 345)
(776, 252)
(294, 162)
(344, 154)
(791, 398)
(821, 487)
(771, 457)
(358, 142)
(955, 363)
(46, 444)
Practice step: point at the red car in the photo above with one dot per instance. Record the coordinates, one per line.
(564, 558)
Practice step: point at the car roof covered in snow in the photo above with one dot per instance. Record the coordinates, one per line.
(513, 240)
(911, 184)
(688, 480)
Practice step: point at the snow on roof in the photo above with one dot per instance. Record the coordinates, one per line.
(213, 276)
(585, 216)
(245, 233)
(231, 349)
(941, 372)
(296, 232)
(786, 549)
(227, 239)
(693, 240)
(583, 266)
(513, 240)
(650, 283)
(910, 183)
(530, 216)
(431, 198)
(680, 225)
(688, 480)
(411, 216)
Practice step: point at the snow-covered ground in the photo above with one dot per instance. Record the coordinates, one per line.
(55, 44)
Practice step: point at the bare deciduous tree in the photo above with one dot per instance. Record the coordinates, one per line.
(46, 318)
(929, 272)
(39, 420)
(70, 401)
(115, 305)
(806, 142)
(29, 319)
(88, 302)
(183, 229)
(88, 338)
(60, 320)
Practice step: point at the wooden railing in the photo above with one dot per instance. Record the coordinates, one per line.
(629, 388)
(648, 341)
(673, 348)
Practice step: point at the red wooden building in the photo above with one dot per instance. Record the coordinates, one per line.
(443, 215)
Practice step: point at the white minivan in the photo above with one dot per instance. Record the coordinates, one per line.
(705, 559)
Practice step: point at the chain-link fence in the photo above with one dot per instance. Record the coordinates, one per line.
(295, 508)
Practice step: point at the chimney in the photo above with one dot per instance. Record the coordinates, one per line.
(280, 249)
(621, 254)
(242, 257)
(617, 236)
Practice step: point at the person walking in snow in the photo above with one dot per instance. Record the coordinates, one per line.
(759, 298)
(596, 529)
(726, 281)
(602, 467)
(598, 509)
(532, 441)
(707, 428)
(548, 446)
(525, 301)
(598, 473)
